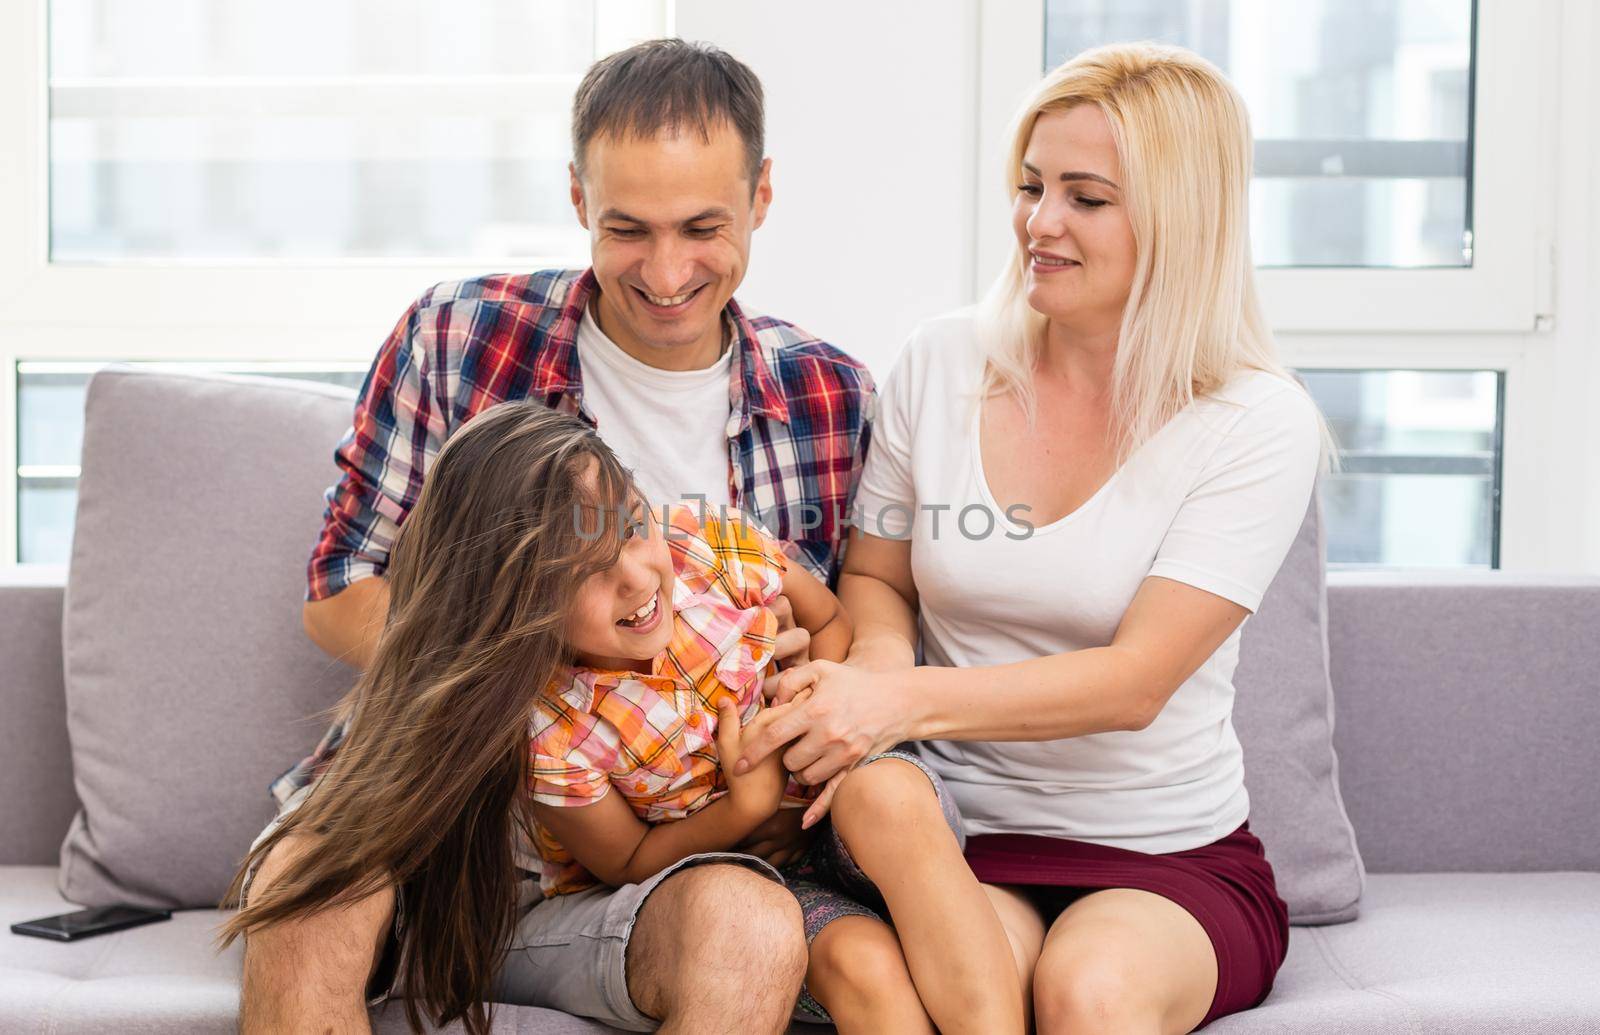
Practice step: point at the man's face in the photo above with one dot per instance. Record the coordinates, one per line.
(669, 223)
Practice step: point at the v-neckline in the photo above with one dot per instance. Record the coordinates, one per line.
(988, 497)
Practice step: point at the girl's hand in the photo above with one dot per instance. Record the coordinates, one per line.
(848, 714)
(758, 791)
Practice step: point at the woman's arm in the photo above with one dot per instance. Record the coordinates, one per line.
(1168, 632)
(877, 590)
(618, 847)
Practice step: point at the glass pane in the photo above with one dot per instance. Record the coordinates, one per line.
(50, 441)
(320, 129)
(1414, 521)
(181, 38)
(1361, 114)
(50, 419)
(1421, 461)
(44, 521)
(311, 188)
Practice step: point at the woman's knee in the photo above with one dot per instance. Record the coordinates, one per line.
(1091, 996)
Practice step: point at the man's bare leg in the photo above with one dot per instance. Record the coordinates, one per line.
(717, 950)
(311, 975)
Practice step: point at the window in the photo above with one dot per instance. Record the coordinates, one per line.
(1420, 452)
(1402, 226)
(262, 186)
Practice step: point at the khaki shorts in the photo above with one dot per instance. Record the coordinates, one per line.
(568, 953)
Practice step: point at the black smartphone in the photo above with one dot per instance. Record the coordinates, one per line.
(86, 923)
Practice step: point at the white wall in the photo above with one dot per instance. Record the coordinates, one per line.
(871, 110)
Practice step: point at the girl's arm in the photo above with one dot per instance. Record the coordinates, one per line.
(609, 841)
(818, 612)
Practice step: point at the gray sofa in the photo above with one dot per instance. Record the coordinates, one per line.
(165, 681)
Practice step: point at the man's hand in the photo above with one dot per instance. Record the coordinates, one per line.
(780, 840)
(793, 646)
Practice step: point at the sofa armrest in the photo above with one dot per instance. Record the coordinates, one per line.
(1468, 718)
(35, 764)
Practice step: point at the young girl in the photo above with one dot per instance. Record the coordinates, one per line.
(563, 670)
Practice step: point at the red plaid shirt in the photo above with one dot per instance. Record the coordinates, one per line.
(800, 420)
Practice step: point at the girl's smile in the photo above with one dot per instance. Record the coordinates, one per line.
(646, 617)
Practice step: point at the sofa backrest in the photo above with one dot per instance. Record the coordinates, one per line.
(1469, 718)
(35, 767)
(190, 684)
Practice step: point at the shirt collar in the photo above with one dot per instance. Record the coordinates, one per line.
(752, 389)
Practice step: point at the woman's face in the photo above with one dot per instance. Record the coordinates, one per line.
(1071, 219)
(621, 618)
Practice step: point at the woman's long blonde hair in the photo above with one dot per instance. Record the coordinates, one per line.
(1193, 318)
(427, 792)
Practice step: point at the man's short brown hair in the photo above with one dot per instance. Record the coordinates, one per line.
(665, 85)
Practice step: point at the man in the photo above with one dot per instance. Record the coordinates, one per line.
(699, 398)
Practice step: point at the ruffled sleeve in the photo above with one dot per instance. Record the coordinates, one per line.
(570, 758)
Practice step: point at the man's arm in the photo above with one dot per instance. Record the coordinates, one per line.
(347, 624)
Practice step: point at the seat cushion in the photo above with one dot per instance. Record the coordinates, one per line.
(160, 978)
(1454, 953)
(1496, 954)
(1283, 712)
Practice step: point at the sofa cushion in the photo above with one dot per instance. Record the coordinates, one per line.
(1457, 953)
(190, 684)
(160, 978)
(1283, 713)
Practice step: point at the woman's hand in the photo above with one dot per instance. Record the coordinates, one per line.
(849, 714)
(757, 790)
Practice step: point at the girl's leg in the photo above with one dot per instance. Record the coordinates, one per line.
(859, 973)
(889, 818)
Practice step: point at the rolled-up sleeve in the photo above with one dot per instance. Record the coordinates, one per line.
(397, 430)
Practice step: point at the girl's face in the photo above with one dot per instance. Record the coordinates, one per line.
(621, 618)
(1071, 219)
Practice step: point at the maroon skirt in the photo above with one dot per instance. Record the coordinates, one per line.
(1227, 886)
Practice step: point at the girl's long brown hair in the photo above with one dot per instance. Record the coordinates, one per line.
(427, 790)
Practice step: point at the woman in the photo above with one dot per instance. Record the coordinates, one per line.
(1076, 495)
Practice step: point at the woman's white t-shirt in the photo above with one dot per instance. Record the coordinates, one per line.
(1214, 499)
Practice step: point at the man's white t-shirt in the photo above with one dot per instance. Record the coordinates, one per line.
(669, 426)
(1214, 499)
